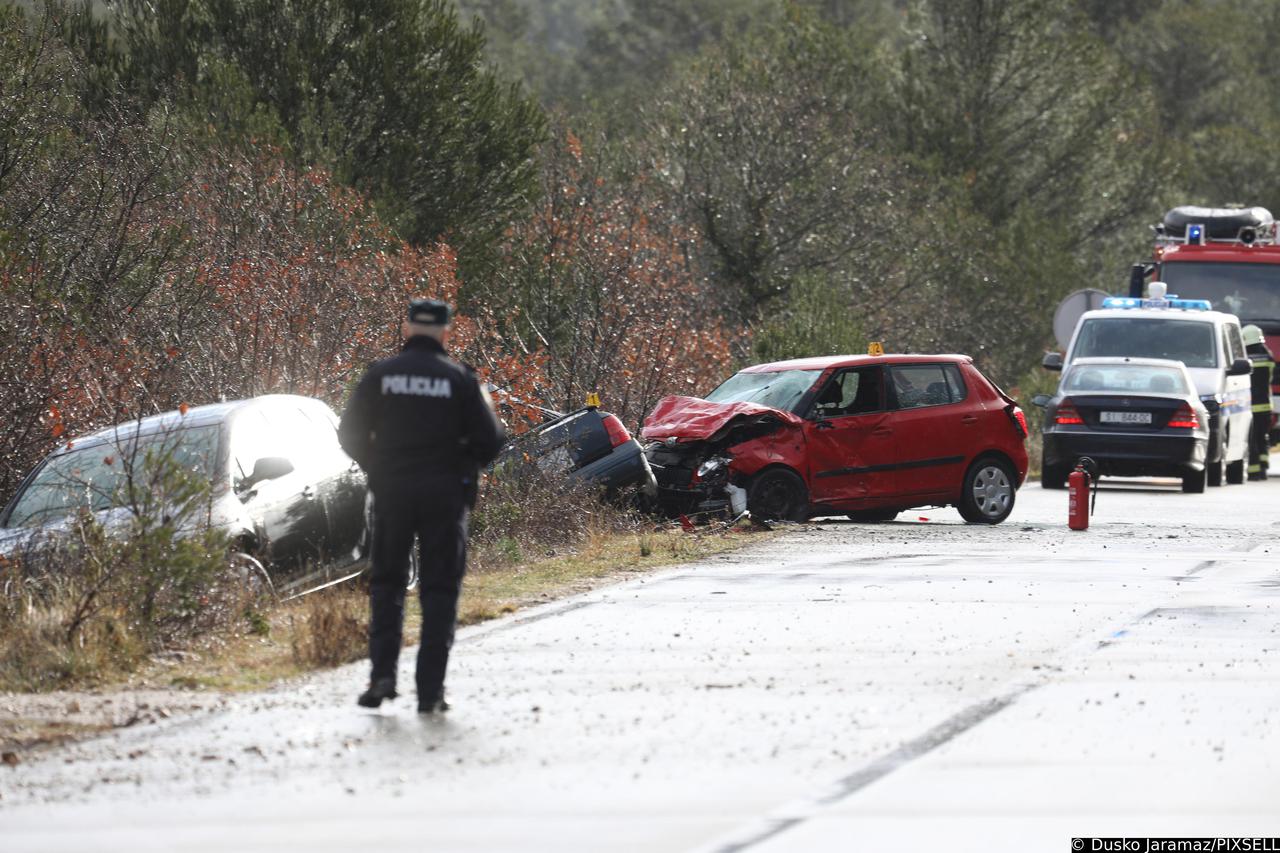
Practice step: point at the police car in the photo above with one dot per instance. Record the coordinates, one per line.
(1208, 342)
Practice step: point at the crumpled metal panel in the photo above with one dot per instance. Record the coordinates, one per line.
(693, 419)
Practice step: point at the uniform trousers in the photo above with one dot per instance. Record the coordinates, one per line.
(439, 522)
(1259, 442)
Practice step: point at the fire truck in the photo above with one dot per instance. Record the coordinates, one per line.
(1229, 256)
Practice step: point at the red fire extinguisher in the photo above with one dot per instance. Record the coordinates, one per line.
(1078, 484)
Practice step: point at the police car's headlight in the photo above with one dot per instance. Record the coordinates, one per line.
(711, 466)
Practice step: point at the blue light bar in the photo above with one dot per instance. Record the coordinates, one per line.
(1184, 304)
(1195, 235)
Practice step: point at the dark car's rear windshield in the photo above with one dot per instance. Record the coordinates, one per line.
(1188, 341)
(779, 390)
(1130, 378)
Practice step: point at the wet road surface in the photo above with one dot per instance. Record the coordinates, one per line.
(920, 684)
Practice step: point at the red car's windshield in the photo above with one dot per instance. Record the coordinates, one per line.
(780, 390)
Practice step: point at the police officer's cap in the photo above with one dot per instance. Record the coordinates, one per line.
(430, 312)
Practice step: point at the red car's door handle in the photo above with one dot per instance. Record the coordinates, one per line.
(824, 425)
(969, 419)
(882, 431)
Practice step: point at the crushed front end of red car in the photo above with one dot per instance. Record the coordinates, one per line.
(702, 452)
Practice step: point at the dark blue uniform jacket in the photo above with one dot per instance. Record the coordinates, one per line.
(419, 421)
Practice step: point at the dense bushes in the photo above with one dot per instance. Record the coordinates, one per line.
(97, 596)
(144, 264)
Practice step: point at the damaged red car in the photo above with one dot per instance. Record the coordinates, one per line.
(862, 436)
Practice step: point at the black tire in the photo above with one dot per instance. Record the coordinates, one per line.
(778, 494)
(1235, 472)
(1193, 482)
(1217, 468)
(988, 491)
(872, 516)
(1053, 476)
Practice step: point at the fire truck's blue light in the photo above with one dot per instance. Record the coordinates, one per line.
(1130, 302)
(1195, 234)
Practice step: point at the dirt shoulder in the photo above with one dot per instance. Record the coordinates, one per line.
(202, 676)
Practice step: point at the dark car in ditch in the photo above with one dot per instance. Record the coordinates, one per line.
(1134, 417)
(862, 436)
(587, 446)
(280, 487)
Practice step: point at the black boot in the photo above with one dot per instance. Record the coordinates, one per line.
(379, 689)
(433, 706)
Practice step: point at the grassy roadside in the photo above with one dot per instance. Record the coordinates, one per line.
(328, 629)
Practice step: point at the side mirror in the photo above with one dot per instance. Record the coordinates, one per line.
(1240, 367)
(268, 468)
(1052, 361)
(1041, 400)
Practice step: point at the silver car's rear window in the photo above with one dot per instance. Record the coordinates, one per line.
(96, 477)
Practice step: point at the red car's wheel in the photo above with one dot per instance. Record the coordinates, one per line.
(988, 490)
(779, 494)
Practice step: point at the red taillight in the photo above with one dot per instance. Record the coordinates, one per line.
(617, 432)
(1067, 414)
(1019, 420)
(1184, 418)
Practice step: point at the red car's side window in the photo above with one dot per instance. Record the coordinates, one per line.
(855, 391)
(919, 385)
(955, 382)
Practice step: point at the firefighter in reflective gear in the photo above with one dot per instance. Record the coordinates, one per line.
(1263, 367)
(422, 427)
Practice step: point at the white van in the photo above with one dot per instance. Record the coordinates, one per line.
(1208, 342)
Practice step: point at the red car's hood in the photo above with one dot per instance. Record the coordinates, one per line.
(692, 419)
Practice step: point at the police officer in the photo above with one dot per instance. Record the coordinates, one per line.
(422, 427)
(1263, 368)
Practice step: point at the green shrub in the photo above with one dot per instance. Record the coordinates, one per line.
(85, 603)
(819, 318)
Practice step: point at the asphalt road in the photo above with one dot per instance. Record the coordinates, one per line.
(908, 686)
